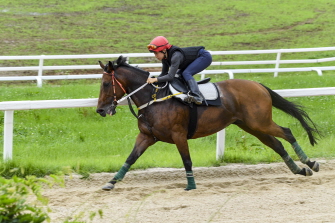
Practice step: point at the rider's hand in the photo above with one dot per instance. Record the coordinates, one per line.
(151, 80)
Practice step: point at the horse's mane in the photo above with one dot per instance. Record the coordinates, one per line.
(121, 61)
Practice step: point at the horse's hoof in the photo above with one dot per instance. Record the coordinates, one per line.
(308, 172)
(186, 189)
(108, 187)
(316, 166)
(189, 188)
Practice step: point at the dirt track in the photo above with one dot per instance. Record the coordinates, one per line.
(233, 193)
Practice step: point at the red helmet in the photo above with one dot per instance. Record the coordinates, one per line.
(159, 43)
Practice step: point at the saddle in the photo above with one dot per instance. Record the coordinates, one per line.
(208, 89)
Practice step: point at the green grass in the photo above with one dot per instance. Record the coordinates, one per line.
(46, 141)
(90, 27)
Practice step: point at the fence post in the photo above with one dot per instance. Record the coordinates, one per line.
(220, 143)
(277, 63)
(230, 73)
(318, 71)
(40, 72)
(8, 135)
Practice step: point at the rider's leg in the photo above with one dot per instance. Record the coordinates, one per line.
(198, 65)
(195, 92)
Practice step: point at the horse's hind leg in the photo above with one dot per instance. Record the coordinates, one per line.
(278, 147)
(297, 149)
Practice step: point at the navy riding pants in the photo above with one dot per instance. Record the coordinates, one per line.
(201, 63)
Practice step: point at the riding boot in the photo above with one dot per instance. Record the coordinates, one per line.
(195, 95)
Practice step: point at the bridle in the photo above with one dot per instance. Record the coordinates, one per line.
(112, 74)
(115, 101)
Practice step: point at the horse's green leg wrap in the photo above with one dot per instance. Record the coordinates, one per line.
(291, 164)
(302, 156)
(190, 181)
(118, 177)
(122, 172)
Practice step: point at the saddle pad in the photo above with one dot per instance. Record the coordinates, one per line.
(208, 90)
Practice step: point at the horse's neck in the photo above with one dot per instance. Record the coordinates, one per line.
(142, 96)
(133, 83)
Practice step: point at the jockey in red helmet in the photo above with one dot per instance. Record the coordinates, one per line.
(158, 44)
(187, 61)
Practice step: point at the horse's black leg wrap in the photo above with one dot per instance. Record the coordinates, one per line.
(306, 172)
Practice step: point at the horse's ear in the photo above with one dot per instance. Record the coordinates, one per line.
(101, 65)
(110, 66)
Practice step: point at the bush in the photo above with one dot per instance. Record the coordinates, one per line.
(21, 199)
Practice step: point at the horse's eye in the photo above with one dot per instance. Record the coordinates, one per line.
(107, 84)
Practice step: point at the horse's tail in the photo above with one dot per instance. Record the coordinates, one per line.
(297, 112)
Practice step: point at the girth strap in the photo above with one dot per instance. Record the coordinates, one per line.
(193, 121)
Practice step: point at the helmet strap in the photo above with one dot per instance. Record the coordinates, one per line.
(165, 54)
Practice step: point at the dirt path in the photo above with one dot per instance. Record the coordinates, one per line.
(233, 193)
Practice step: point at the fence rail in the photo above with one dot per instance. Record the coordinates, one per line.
(10, 106)
(40, 68)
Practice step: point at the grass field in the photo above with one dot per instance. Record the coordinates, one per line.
(92, 27)
(46, 141)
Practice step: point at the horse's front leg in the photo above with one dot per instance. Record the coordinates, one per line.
(143, 141)
(182, 145)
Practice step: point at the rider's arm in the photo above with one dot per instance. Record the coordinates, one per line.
(176, 59)
(165, 69)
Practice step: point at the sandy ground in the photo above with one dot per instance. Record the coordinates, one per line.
(232, 193)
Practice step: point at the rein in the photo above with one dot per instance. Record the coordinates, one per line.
(120, 85)
(112, 74)
(158, 100)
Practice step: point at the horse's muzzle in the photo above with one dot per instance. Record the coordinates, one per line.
(111, 110)
(101, 111)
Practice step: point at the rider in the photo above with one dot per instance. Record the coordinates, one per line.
(189, 61)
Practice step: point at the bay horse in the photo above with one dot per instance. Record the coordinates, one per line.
(244, 103)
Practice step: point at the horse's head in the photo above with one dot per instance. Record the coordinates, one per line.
(111, 90)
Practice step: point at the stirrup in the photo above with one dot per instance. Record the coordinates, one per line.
(191, 99)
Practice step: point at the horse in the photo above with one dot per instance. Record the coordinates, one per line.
(244, 103)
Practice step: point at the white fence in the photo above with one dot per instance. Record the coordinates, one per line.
(40, 68)
(11, 106)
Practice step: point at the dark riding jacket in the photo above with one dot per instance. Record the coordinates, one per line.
(178, 58)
